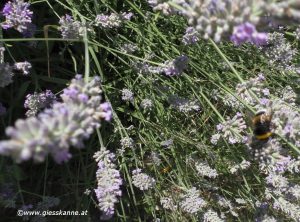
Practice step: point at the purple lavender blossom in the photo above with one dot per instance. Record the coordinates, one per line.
(37, 101)
(113, 20)
(109, 182)
(127, 16)
(127, 95)
(106, 107)
(17, 15)
(191, 36)
(56, 129)
(184, 105)
(191, 202)
(24, 67)
(176, 66)
(246, 32)
(142, 180)
(231, 130)
(167, 143)
(72, 29)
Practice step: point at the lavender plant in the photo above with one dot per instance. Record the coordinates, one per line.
(67, 123)
(181, 143)
(17, 15)
(109, 182)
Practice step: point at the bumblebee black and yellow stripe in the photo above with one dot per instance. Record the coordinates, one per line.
(263, 136)
(261, 123)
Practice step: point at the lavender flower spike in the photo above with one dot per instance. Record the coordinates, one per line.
(72, 29)
(109, 182)
(113, 20)
(142, 180)
(37, 101)
(176, 66)
(246, 32)
(24, 67)
(191, 36)
(55, 130)
(17, 15)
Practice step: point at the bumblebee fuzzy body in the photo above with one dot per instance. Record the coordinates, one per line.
(166, 169)
(262, 124)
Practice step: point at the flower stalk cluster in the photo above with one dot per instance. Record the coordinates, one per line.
(114, 20)
(17, 15)
(37, 101)
(109, 182)
(219, 19)
(142, 180)
(67, 123)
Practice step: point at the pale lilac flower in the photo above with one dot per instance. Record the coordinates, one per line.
(17, 15)
(190, 37)
(108, 182)
(286, 120)
(247, 33)
(184, 105)
(203, 169)
(290, 209)
(129, 48)
(224, 203)
(72, 29)
(297, 33)
(279, 52)
(216, 19)
(146, 104)
(242, 166)
(232, 130)
(2, 50)
(87, 192)
(176, 66)
(167, 143)
(127, 95)
(288, 95)
(165, 7)
(168, 203)
(266, 218)
(37, 101)
(142, 180)
(113, 20)
(254, 85)
(295, 191)
(211, 216)
(127, 142)
(67, 123)
(191, 202)
(146, 68)
(215, 138)
(106, 107)
(277, 181)
(155, 158)
(24, 67)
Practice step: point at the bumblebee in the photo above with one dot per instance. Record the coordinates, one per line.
(166, 169)
(261, 125)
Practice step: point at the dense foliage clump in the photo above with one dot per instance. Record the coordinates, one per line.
(150, 110)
